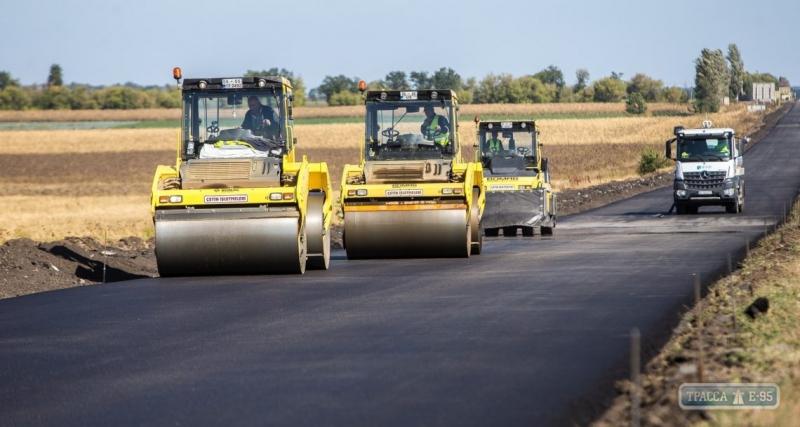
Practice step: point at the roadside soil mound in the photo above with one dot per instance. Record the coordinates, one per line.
(27, 266)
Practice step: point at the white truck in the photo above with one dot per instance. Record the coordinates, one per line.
(709, 168)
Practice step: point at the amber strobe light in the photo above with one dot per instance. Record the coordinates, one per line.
(177, 74)
(362, 85)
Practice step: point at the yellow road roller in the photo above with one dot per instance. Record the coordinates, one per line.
(518, 191)
(411, 196)
(237, 201)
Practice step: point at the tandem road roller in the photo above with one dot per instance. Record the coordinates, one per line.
(411, 195)
(519, 195)
(237, 200)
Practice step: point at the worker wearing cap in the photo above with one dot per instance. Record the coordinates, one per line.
(261, 119)
(494, 143)
(435, 127)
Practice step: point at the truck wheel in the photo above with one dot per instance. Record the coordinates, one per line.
(509, 231)
(680, 208)
(732, 207)
(691, 209)
(491, 232)
(546, 231)
(527, 231)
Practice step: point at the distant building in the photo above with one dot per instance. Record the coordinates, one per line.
(764, 92)
(785, 93)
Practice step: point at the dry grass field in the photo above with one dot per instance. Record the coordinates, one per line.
(96, 182)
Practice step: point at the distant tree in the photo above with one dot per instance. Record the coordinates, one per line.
(649, 88)
(783, 82)
(712, 80)
(344, 97)
(492, 89)
(635, 103)
(335, 84)
(13, 97)
(537, 91)
(609, 89)
(377, 85)
(6, 80)
(397, 80)
(298, 85)
(315, 95)
(582, 79)
(551, 75)
(616, 76)
(421, 80)
(674, 95)
(55, 78)
(736, 65)
(445, 78)
(466, 95)
(53, 98)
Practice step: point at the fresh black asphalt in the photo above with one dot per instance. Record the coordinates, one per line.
(531, 332)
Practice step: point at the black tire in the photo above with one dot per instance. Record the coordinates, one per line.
(527, 231)
(691, 209)
(732, 207)
(546, 231)
(509, 231)
(680, 208)
(491, 232)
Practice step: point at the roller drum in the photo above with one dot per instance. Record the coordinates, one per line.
(407, 233)
(237, 241)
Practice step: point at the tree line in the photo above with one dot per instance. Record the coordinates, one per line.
(547, 85)
(717, 76)
(55, 95)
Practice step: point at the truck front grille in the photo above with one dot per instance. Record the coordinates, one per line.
(703, 180)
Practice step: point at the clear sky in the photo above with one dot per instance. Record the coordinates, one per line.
(112, 41)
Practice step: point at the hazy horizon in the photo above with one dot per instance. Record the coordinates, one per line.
(109, 42)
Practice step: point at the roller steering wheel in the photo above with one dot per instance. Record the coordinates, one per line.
(390, 133)
(523, 150)
(214, 128)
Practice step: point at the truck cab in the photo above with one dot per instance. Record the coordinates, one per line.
(709, 168)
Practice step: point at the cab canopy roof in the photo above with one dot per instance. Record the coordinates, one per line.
(225, 83)
(411, 95)
(501, 125)
(705, 132)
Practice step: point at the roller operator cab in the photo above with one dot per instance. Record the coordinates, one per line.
(237, 200)
(412, 195)
(519, 195)
(709, 168)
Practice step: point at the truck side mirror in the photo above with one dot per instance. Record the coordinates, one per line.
(668, 149)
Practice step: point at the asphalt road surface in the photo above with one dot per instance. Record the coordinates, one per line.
(532, 332)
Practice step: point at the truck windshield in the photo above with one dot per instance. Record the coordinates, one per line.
(409, 130)
(704, 149)
(232, 122)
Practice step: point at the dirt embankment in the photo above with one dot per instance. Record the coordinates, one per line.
(27, 267)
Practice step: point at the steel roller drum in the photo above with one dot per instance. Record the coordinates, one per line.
(416, 233)
(229, 241)
(520, 208)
